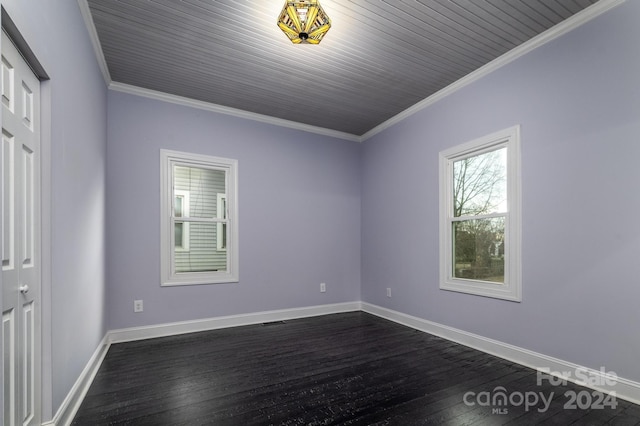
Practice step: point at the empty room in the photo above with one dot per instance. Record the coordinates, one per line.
(320, 212)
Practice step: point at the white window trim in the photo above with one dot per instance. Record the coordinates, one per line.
(167, 235)
(185, 212)
(511, 289)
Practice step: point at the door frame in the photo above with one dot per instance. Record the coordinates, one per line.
(45, 390)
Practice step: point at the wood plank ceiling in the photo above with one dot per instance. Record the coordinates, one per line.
(379, 58)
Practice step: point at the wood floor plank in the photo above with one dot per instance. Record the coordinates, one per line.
(343, 369)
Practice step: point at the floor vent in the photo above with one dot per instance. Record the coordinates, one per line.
(273, 323)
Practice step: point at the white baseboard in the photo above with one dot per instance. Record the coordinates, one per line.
(170, 329)
(67, 411)
(69, 407)
(623, 388)
(593, 379)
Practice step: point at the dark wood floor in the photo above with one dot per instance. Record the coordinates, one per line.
(347, 369)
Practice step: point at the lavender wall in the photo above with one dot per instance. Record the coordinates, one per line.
(578, 102)
(74, 152)
(576, 98)
(299, 213)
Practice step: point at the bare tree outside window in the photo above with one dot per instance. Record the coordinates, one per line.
(479, 207)
(480, 184)
(480, 204)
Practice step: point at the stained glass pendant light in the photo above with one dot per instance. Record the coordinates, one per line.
(304, 21)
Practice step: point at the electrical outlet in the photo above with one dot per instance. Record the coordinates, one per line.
(137, 306)
(323, 287)
(388, 292)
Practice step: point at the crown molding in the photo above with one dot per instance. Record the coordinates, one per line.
(558, 30)
(95, 41)
(552, 33)
(207, 106)
(180, 100)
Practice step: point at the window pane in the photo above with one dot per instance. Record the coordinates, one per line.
(199, 219)
(480, 184)
(203, 254)
(203, 186)
(178, 235)
(221, 243)
(478, 250)
(222, 236)
(178, 206)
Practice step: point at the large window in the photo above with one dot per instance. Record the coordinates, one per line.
(199, 235)
(480, 216)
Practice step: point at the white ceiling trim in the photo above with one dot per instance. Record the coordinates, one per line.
(564, 27)
(95, 41)
(208, 106)
(569, 24)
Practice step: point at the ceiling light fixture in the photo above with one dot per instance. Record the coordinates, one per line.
(304, 21)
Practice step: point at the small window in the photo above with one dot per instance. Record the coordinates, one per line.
(480, 217)
(199, 219)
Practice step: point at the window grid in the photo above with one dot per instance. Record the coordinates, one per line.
(198, 218)
(492, 267)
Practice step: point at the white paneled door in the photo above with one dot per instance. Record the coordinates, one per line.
(20, 238)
